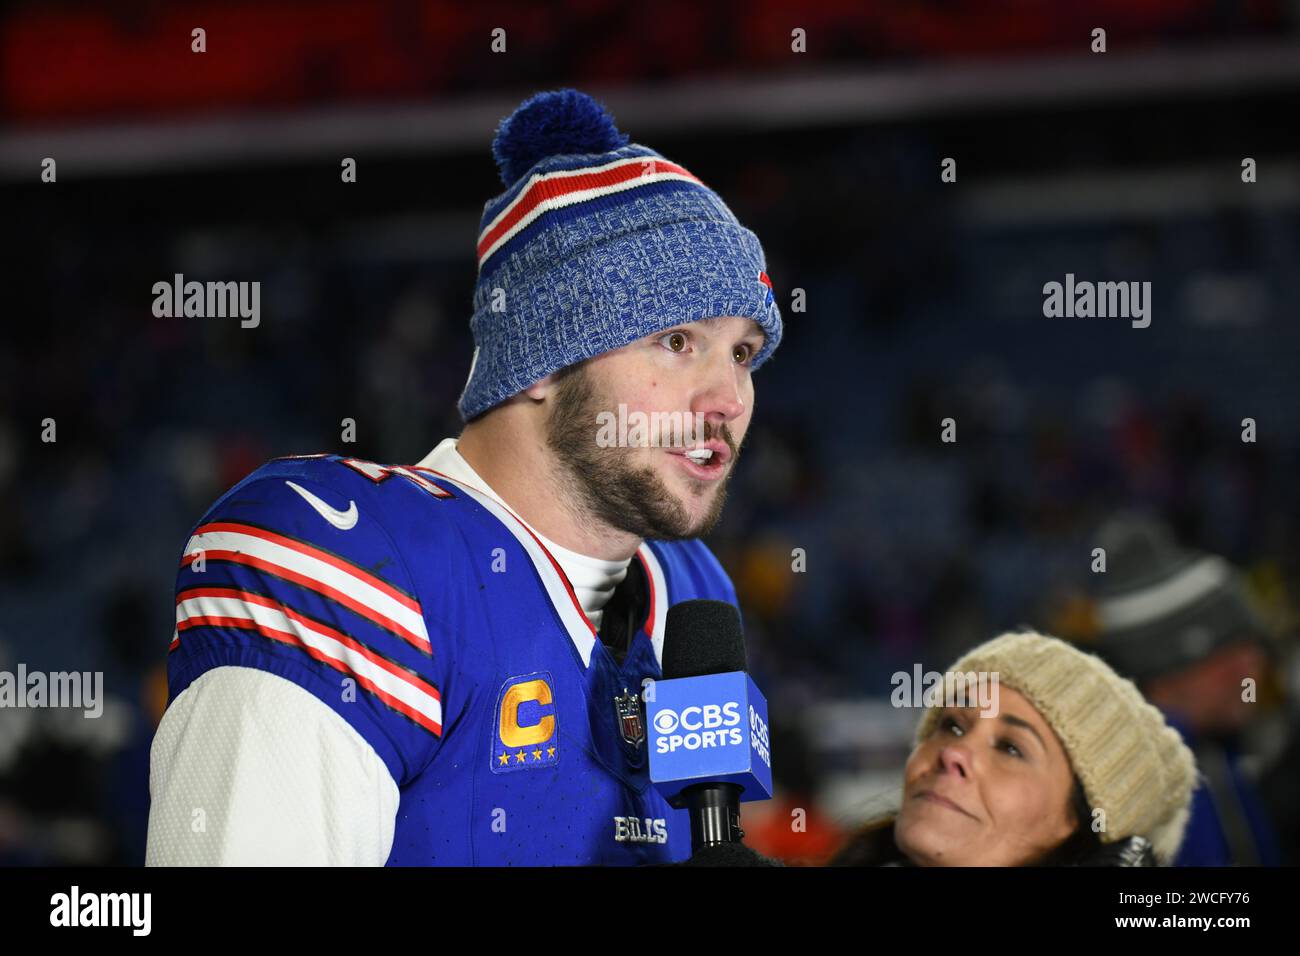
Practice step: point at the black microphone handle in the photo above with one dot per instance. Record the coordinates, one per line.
(715, 813)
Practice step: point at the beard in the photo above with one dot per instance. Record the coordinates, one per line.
(608, 485)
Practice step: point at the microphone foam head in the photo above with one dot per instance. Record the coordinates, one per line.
(702, 637)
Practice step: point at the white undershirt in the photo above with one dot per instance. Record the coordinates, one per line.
(593, 579)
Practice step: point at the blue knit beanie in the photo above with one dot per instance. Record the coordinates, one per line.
(595, 243)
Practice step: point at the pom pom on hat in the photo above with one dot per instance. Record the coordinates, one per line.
(552, 123)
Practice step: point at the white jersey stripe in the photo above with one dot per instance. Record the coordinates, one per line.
(400, 688)
(363, 597)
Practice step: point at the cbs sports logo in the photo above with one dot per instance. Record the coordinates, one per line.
(698, 728)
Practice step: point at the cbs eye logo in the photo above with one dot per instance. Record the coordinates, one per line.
(666, 721)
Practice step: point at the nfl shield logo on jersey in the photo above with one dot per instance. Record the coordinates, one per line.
(630, 724)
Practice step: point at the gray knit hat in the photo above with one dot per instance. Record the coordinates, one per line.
(1133, 766)
(595, 243)
(1162, 607)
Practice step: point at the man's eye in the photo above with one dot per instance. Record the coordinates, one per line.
(948, 723)
(674, 341)
(743, 353)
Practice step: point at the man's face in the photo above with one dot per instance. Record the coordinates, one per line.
(1208, 694)
(687, 388)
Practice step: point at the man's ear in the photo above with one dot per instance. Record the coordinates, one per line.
(541, 389)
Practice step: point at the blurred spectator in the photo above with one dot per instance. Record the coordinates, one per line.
(1178, 622)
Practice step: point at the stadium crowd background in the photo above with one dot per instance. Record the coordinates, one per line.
(923, 302)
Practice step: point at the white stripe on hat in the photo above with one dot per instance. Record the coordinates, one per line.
(663, 170)
(1150, 604)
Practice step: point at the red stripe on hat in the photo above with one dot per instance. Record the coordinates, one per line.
(555, 187)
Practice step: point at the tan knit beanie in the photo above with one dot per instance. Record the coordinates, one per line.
(1131, 763)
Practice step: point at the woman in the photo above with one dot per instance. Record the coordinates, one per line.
(1075, 768)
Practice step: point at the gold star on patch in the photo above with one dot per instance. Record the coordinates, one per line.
(520, 756)
(537, 755)
(504, 758)
(550, 751)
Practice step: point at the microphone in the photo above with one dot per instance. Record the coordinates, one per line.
(709, 744)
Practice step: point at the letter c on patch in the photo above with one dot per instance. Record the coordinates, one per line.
(514, 735)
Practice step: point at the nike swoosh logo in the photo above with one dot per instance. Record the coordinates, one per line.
(343, 520)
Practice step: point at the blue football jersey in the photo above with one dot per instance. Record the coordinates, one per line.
(436, 624)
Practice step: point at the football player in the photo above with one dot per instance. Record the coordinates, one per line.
(442, 663)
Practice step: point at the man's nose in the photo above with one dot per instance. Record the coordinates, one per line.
(720, 398)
